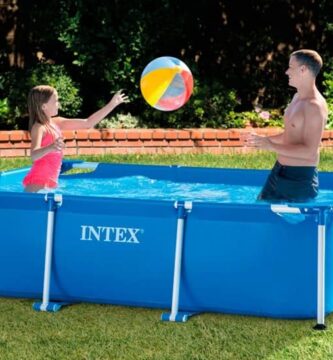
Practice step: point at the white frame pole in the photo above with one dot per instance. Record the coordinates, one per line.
(48, 260)
(183, 209)
(54, 201)
(321, 272)
(177, 267)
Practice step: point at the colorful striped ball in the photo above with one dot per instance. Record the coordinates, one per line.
(166, 83)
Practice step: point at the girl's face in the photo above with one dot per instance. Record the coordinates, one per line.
(51, 107)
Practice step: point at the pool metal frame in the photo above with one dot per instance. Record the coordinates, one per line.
(184, 209)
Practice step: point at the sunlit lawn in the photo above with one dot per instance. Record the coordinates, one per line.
(254, 160)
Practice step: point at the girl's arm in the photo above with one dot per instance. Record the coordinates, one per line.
(92, 120)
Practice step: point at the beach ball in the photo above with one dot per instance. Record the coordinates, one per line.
(166, 83)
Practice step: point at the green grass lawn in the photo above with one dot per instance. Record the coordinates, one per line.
(254, 160)
(94, 331)
(258, 160)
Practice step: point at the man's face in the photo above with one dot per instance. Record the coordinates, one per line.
(294, 71)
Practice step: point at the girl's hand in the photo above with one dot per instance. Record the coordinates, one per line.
(119, 98)
(58, 144)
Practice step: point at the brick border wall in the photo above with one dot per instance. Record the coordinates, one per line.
(142, 141)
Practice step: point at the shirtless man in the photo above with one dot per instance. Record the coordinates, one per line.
(294, 176)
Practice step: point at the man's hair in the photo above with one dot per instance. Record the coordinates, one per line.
(310, 58)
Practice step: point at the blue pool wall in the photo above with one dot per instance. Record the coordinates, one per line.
(237, 258)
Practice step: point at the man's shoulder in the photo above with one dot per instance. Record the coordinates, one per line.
(316, 107)
(316, 103)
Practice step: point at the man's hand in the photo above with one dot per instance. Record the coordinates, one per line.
(261, 142)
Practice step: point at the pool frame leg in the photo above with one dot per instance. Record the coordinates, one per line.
(175, 315)
(54, 201)
(321, 271)
(320, 213)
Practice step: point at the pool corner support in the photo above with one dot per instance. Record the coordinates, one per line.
(54, 202)
(184, 208)
(321, 217)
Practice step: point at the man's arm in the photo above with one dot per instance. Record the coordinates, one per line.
(314, 120)
(276, 139)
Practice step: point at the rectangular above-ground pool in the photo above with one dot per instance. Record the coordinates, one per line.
(233, 257)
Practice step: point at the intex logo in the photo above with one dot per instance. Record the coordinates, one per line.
(110, 234)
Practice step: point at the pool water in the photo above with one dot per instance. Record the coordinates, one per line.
(141, 187)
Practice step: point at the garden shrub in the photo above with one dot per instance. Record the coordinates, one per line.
(120, 121)
(329, 124)
(257, 118)
(328, 92)
(15, 86)
(4, 109)
(209, 106)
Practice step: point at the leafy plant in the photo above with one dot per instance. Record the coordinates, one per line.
(4, 109)
(328, 92)
(328, 81)
(329, 124)
(209, 106)
(120, 121)
(16, 84)
(257, 118)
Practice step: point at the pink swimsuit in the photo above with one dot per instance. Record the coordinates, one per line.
(45, 171)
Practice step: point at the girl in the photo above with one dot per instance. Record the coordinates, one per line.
(46, 139)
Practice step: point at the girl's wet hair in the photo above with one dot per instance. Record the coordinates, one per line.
(38, 96)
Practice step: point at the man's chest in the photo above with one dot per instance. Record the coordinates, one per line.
(294, 117)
